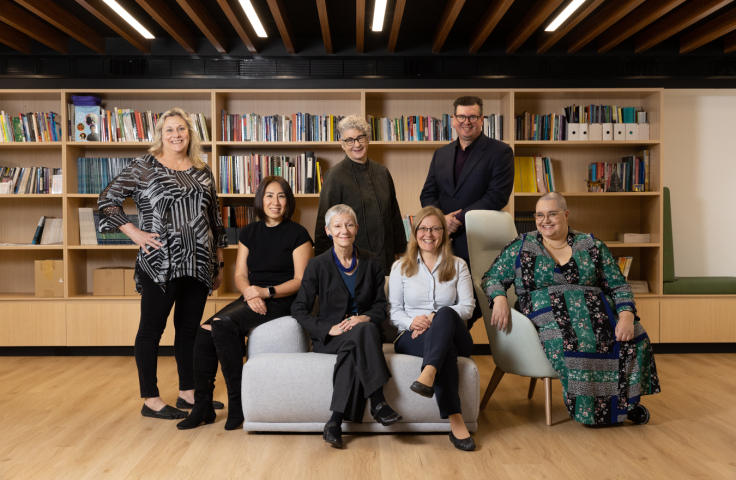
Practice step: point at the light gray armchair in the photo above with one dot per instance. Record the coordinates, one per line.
(516, 350)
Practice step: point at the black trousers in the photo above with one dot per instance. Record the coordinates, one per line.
(445, 340)
(190, 297)
(477, 314)
(360, 368)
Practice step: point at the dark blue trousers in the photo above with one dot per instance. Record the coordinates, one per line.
(445, 340)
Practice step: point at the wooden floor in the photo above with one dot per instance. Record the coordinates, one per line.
(78, 418)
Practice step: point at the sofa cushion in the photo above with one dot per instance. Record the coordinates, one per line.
(281, 335)
(701, 286)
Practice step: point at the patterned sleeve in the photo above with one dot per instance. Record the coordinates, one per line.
(110, 201)
(612, 281)
(218, 229)
(500, 276)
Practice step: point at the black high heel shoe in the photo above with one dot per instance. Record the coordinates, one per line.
(466, 444)
(385, 415)
(329, 437)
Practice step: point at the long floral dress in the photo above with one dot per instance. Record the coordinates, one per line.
(575, 308)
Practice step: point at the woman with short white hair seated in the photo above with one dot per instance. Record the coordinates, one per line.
(349, 282)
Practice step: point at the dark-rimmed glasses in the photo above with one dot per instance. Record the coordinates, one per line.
(539, 216)
(351, 141)
(471, 118)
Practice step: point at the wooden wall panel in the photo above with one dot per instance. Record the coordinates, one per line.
(648, 310)
(38, 324)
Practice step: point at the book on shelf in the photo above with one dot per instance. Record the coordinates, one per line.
(524, 221)
(416, 128)
(639, 286)
(27, 180)
(51, 233)
(630, 175)
(39, 231)
(566, 124)
(624, 263)
(408, 221)
(298, 127)
(87, 233)
(534, 175)
(94, 174)
(530, 126)
(633, 237)
(243, 174)
(235, 217)
(114, 237)
(604, 114)
(30, 127)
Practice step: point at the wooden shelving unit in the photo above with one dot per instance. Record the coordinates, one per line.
(80, 319)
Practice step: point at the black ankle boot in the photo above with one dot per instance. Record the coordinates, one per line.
(203, 411)
(205, 369)
(230, 353)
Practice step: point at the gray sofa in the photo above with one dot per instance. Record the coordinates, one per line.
(288, 388)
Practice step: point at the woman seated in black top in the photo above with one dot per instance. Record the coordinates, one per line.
(272, 256)
(349, 282)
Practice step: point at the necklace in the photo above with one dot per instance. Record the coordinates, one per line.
(339, 263)
(552, 246)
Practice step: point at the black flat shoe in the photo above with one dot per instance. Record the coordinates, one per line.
(422, 389)
(385, 415)
(639, 414)
(166, 413)
(466, 444)
(334, 440)
(183, 404)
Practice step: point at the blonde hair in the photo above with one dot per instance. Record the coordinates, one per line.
(194, 149)
(409, 266)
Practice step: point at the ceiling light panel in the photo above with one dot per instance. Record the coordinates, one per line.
(250, 12)
(378, 15)
(574, 5)
(129, 18)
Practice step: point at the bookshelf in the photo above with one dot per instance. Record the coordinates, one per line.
(81, 319)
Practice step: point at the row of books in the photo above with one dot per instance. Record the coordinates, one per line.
(95, 124)
(624, 263)
(534, 174)
(417, 128)
(30, 180)
(299, 127)
(93, 174)
(630, 175)
(408, 222)
(238, 216)
(541, 127)
(49, 231)
(243, 174)
(89, 230)
(604, 114)
(30, 127)
(524, 221)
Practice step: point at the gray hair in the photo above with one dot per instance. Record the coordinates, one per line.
(557, 197)
(356, 122)
(339, 209)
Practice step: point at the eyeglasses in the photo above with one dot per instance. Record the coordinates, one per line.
(351, 141)
(471, 118)
(551, 215)
(425, 230)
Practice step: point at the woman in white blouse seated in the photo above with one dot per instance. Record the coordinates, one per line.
(431, 297)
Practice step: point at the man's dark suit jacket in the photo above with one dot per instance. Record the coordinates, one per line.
(485, 183)
(322, 278)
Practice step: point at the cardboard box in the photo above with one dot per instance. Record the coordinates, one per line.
(128, 273)
(49, 278)
(108, 281)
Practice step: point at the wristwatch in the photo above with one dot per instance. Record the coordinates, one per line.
(271, 292)
(221, 264)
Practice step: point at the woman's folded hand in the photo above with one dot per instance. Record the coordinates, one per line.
(625, 326)
(501, 312)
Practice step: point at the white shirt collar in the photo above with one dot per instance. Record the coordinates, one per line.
(422, 264)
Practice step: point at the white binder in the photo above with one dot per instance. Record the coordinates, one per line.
(632, 131)
(573, 131)
(619, 131)
(596, 131)
(607, 131)
(584, 131)
(643, 131)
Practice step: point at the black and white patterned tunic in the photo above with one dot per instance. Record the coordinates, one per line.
(181, 207)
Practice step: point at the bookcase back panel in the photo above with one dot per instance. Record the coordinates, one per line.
(23, 101)
(23, 214)
(18, 269)
(25, 157)
(408, 167)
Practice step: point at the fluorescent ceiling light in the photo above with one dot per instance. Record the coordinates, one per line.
(128, 18)
(564, 15)
(378, 13)
(251, 14)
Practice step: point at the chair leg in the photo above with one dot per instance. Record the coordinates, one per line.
(495, 380)
(532, 384)
(548, 400)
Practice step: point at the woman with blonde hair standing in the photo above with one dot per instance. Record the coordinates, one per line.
(180, 260)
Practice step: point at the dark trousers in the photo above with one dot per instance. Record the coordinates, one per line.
(445, 340)
(190, 297)
(476, 311)
(360, 368)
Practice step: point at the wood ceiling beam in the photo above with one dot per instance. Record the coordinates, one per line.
(729, 43)
(712, 30)
(30, 25)
(496, 10)
(396, 25)
(548, 39)
(66, 22)
(360, 25)
(675, 22)
(158, 10)
(282, 22)
(529, 24)
(234, 12)
(204, 21)
(324, 24)
(109, 17)
(14, 39)
(651, 11)
(447, 20)
(600, 22)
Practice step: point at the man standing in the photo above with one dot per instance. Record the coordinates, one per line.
(472, 173)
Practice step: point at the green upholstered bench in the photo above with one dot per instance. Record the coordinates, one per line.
(687, 285)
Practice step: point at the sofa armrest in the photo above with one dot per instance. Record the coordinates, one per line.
(281, 335)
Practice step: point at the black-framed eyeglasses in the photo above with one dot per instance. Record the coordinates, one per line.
(351, 141)
(551, 215)
(471, 118)
(425, 230)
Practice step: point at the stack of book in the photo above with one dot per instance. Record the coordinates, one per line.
(30, 127)
(30, 180)
(243, 174)
(299, 127)
(631, 175)
(534, 175)
(524, 221)
(89, 230)
(49, 231)
(93, 174)
(624, 263)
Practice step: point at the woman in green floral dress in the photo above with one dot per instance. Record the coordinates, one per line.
(572, 289)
